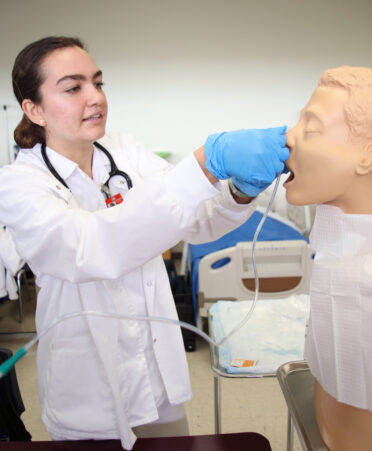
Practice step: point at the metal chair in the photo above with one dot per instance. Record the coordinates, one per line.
(20, 276)
(297, 384)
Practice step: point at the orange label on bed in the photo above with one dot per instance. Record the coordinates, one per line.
(242, 363)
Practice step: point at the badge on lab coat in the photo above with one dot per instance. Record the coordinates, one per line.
(114, 200)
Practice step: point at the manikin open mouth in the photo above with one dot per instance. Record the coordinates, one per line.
(290, 178)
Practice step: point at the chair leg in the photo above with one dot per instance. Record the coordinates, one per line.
(217, 404)
(27, 286)
(289, 433)
(21, 273)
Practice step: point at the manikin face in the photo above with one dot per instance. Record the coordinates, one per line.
(322, 156)
(73, 104)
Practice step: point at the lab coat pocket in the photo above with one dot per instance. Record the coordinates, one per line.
(78, 395)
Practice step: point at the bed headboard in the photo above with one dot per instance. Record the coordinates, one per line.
(283, 268)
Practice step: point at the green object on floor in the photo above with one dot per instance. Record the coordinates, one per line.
(163, 154)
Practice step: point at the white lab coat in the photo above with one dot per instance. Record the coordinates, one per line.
(81, 259)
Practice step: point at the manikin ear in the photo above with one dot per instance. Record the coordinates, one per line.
(33, 112)
(364, 165)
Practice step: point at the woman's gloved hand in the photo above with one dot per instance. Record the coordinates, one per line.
(253, 158)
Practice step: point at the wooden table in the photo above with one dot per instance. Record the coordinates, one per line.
(245, 441)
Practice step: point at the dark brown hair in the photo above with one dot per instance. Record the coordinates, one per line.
(27, 78)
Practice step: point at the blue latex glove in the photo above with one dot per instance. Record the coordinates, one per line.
(253, 158)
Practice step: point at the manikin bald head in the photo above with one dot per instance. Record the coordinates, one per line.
(357, 81)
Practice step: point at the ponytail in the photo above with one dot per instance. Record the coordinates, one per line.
(27, 134)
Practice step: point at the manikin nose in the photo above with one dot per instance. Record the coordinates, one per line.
(290, 138)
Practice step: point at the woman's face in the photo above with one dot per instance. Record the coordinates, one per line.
(322, 157)
(73, 104)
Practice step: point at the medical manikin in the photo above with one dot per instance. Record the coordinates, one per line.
(331, 165)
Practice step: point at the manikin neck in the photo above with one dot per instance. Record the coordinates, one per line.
(358, 200)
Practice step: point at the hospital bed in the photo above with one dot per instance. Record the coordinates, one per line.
(275, 332)
(222, 271)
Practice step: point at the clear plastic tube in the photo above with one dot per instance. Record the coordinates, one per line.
(7, 365)
(256, 279)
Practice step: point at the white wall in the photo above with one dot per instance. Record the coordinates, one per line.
(176, 71)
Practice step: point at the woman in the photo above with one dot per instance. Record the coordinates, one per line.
(101, 378)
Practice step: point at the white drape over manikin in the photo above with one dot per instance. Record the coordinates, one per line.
(338, 343)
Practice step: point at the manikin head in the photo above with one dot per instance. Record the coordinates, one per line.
(331, 145)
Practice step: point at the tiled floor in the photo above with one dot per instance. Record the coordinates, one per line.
(247, 404)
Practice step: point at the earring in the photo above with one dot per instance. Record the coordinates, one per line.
(42, 122)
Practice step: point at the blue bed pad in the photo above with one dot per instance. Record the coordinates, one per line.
(272, 230)
(274, 334)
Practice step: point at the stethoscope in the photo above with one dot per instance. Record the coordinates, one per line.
(114, 171)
